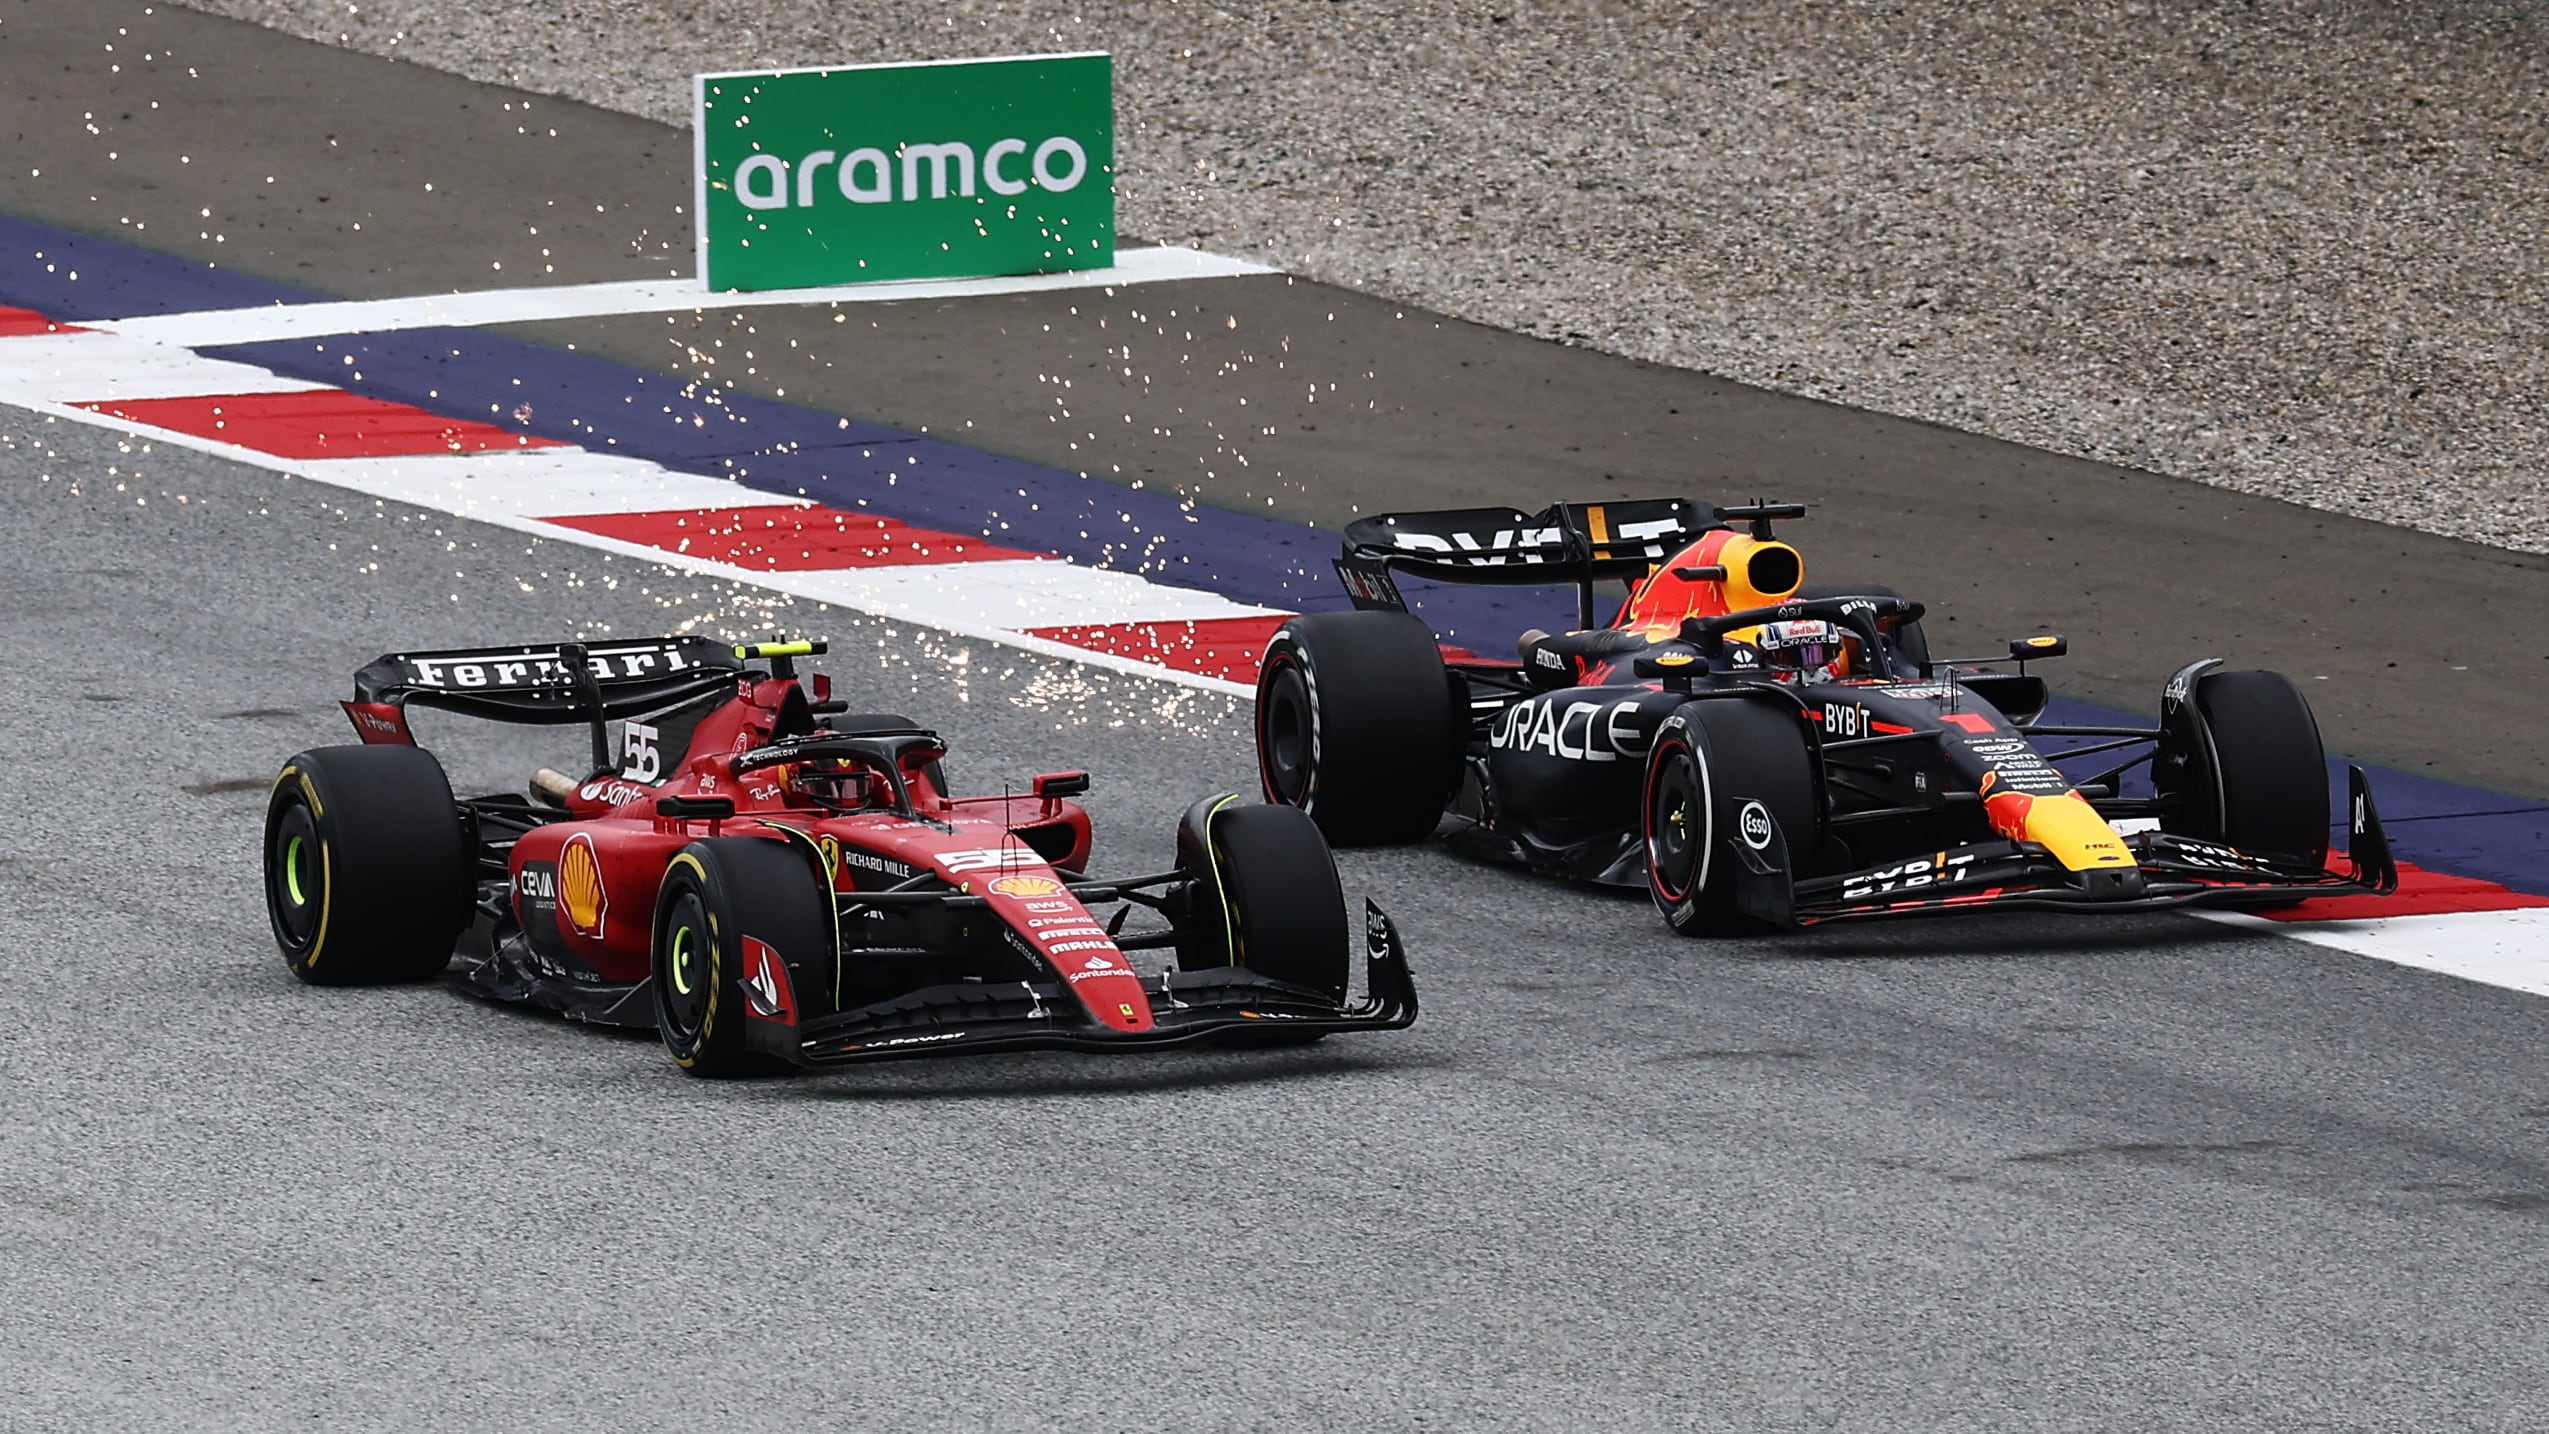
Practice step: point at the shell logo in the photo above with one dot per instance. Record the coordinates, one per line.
(1027, 886)
(581, 899)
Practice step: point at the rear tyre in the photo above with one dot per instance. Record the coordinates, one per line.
(1268, 901)
(1909, 640)
(1359, 725)
(717, 893)
(2250, 769)
(367, 869)
(1712, 760)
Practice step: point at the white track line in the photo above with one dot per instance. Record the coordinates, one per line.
(2494, 948)
(536, 483)
(214, 327)
(1010, 593)
(97, 366)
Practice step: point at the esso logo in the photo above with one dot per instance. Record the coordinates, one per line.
(1753, 823)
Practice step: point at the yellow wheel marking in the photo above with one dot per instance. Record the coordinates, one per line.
(681, 958)
(716, 963)
(1212, 858)
(827, 855)
(294, 776)
(327, 890)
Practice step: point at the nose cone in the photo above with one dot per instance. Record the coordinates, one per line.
(2064, 825)
(1042, 912)
(1111, 993)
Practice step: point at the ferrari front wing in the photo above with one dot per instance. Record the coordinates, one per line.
(1186, 1007)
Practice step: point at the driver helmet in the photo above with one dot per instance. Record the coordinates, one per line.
(1802, 650)
(830, 783)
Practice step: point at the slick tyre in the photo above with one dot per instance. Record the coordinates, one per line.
(2254, 774)
(1909, 640)
(1268, 900)
(367, 868)
(1712, 759)
(1360, 725)
(717, 895)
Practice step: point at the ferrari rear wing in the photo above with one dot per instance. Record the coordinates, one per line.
(546, 684)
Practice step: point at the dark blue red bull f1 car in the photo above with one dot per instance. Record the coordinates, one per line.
(1749, 748)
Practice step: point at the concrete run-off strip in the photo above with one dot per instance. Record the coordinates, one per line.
(316, 318)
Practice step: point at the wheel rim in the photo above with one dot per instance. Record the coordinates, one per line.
(295, 887)
(1285, 735)
(1672, 843)
(689, 967)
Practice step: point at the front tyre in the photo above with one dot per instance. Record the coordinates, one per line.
(1266, 898)
(367, 868)
(1360, 725)
(717, 895)
(2249, 770)
(1711, 764)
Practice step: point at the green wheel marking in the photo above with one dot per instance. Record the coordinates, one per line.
(681, 959)
(292, 872)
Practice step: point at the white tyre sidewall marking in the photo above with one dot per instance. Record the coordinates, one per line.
(1707, 818)
(1300, 657)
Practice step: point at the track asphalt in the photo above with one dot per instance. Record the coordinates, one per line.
(2015, 1174)
(2002, 1174)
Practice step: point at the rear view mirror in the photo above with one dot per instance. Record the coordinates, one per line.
(2026, 649)
(1674, 666)
(691, 809)
(1061, 784)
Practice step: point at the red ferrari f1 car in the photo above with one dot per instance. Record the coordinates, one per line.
(767, 879)
(1751, 749)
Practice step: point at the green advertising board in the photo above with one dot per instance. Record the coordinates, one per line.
(944, 169)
